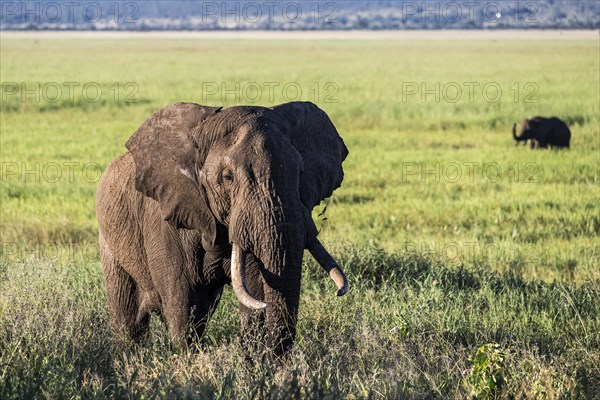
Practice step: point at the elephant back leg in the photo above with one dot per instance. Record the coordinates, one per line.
(123, 298)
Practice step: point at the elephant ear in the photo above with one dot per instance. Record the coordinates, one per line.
(165, 156)
(322, 149)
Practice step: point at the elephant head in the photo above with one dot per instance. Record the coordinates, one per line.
(247, 177)
(525, 131)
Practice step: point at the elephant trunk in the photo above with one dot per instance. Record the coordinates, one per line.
(281, 254)
(514, 132)
(268, 233)
(273, 235)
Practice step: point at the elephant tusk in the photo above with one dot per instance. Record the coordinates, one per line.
(238, 280)
(326, 261)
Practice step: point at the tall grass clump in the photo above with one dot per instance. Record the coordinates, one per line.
(409, 327)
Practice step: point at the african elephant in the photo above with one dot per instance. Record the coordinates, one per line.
(206, 196)
(543, 132)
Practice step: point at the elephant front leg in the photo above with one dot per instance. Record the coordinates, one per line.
(187, 316)
(207, 293)
(129, 318)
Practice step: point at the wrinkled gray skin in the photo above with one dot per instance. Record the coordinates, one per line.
(543, 132)
(198, 181)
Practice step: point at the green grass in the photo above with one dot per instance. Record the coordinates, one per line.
(506, 254)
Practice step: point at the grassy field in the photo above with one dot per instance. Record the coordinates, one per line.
(474, 264)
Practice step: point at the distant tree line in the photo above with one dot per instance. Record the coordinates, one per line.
(297, 15)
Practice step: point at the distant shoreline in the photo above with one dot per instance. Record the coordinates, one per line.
(451, 34)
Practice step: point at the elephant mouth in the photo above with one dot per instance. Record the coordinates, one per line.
(316, 249)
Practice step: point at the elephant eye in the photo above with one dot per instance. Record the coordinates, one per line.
(227, 176)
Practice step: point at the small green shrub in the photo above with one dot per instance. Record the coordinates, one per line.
(487, 373)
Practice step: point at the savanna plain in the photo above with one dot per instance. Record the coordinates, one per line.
(474, 264)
